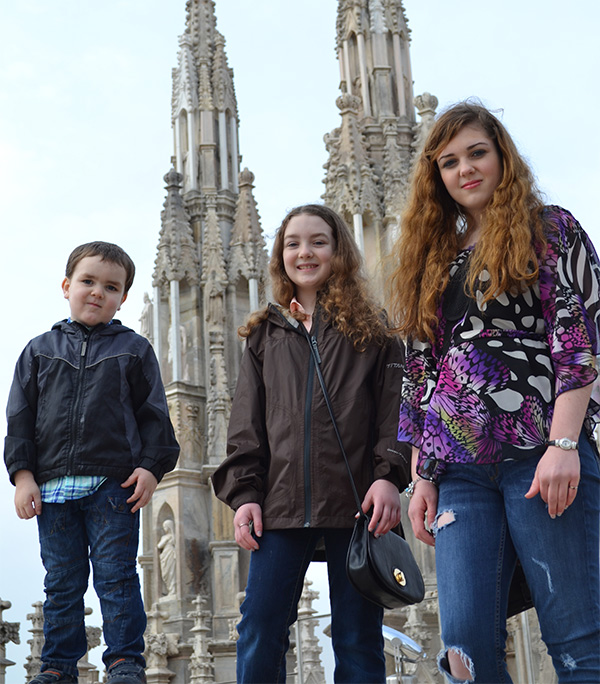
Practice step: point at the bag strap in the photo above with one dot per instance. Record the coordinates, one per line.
(312, 343)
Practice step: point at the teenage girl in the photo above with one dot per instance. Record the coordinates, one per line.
(284, 474)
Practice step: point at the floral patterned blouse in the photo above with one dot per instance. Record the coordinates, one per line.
(492, 375)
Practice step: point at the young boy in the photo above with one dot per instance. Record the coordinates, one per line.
(89, 438)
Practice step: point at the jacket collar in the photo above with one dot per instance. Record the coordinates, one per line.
(75, 328)
(281, 316)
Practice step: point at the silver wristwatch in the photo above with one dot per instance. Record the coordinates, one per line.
(564, 443)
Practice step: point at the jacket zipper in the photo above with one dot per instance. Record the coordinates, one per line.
(77, 402)
(308, 425)
(307, 430)
(307, 412)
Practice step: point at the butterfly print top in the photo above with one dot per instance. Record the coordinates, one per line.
(494, 371)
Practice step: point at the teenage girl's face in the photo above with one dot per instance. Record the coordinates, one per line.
(471, 170)
(308, 247)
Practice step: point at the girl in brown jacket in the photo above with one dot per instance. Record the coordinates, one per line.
(284, 475)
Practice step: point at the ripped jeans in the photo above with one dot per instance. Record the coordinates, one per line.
(484, 522)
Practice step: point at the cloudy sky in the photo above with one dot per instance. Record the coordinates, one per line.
(85, 139)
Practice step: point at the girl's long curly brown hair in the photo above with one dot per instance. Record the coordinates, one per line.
(512, 236)
(344, 297)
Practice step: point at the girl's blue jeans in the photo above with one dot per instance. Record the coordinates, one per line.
(275, 583)
(483, 523)
(98, 528)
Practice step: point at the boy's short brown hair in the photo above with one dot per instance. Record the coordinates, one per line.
(107, 251)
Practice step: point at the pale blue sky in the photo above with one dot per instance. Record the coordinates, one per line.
(85, 138)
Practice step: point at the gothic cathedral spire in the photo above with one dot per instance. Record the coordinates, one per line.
(210, 271)
(371, 152)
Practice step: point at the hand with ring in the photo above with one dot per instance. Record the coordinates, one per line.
(248, 526)
(556, 480)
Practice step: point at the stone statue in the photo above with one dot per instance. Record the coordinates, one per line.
(146, 319)
(185, 371)
(168, 557)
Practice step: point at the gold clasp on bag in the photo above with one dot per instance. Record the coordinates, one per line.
(399, 577)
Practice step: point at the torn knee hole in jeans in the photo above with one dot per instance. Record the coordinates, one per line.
(442, 519)
(455, 662)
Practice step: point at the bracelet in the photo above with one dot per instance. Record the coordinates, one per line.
(410, 490)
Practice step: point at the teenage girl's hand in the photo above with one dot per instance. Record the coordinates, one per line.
(248, 517)
(383, 496)
(145, 484)
(423, 503)
(28, 500)
(556, 478)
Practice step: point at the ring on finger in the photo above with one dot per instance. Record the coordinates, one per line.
(573, 486)
(244, 525)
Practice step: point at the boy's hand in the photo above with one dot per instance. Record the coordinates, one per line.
(28, 500)
(145, 484)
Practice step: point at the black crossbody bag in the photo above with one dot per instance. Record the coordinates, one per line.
(382, 569)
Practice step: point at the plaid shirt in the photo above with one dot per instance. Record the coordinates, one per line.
(70, 487)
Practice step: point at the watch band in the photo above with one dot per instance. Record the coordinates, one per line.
(563, 443)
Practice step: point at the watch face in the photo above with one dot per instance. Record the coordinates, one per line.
(567, 444)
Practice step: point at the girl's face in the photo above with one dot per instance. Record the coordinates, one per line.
(471, 170)
(308, 246)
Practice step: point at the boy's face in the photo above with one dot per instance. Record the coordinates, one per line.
(95, 291)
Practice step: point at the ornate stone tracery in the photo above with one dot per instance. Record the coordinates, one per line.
(9, 631)
(371, 153)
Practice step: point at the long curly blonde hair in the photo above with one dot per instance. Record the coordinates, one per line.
(344, 297)
(512, 236)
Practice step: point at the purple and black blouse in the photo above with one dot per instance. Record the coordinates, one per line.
(492, 375)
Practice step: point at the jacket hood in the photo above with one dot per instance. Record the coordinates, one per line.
(281, 316)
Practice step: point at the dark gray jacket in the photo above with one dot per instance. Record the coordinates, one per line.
(88, 403)
(282, 450)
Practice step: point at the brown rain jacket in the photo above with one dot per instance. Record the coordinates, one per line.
(282, 450)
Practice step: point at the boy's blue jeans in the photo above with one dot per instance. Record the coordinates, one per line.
(275, 583)
(98, 528)
(484, 522)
